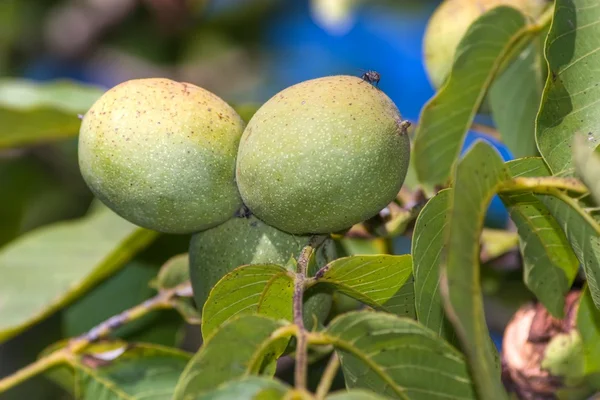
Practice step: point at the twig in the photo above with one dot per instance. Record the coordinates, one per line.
(76, 345)
(28, 372)
(328, 377)
(300, 371)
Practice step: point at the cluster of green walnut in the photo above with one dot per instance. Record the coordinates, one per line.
(315, 159)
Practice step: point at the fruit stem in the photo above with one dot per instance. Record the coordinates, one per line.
(328, 377)
(300, 371)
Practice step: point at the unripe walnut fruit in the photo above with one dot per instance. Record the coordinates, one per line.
(247, 240)
(323, 155)
(161, 154)
(450, 22)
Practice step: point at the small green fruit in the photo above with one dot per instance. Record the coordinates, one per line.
(323, 155)
(247, 240)
(449, 23)
(161, 154)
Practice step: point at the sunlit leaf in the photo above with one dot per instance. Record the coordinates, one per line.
(356, 394)
(249, 388)
(40, 112)
(477, 178)
(372, 279)
(427, 247)
(446, 118)
(398, 358)
(243, 346)
(571, 98)
(59, 262)
(266, 289)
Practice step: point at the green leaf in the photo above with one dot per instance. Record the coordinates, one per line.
(125, 289)
(372, 279)
(587, 165)
(528, 166)
(398, 357)
(116, 370)
(477, 178)
(497, 242)
(550, 265)
(249, 388)
(580, 228)
(564, 357)
(570, 102)
(427, 247)
(583, 232)
(446, 118)
(588, 325)
(243, 346)
(174, 272)
(356, 394)
(515, 99)
(266, 289)
(353, 246)
(33, 112)
(58, 263)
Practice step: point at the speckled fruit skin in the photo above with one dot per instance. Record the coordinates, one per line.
(247, 240)
(323, 155)
(449, 23)
(161, 154)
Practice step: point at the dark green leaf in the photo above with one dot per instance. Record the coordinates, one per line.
(398, 357)
(371, 279)
(356, 394)
(118, 371)
(126, 288)
(427, 247)
(515, 100)
(266, 289)
(174, 272)
(249, 388)
(587, 165)
(59, 262)
(446, 118)
(583, 232)
(588, 325)
(477, 179)
(245, 345)
(39, 112)
(550, 266)
(570, 103)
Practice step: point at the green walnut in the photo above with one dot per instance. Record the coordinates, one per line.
(161, 154)
(449, 23)
(323, 155)
(247, 240)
